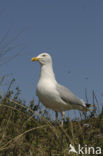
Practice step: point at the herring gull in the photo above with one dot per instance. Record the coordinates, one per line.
(51, 93)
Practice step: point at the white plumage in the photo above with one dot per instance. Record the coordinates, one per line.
(51, 93)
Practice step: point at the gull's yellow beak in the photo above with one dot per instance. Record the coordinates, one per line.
(35, 59)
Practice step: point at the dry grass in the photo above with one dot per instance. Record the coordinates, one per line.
(25, 132)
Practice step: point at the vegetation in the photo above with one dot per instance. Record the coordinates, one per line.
(27, 131)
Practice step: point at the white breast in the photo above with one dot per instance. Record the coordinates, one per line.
(47, 93)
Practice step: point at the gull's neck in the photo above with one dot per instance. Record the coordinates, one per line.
(47, 72)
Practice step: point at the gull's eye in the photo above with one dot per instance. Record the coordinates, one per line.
(43, 55)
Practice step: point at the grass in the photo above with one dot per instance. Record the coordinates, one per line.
(25, 132)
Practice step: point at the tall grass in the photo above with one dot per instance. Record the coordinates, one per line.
(25, 131)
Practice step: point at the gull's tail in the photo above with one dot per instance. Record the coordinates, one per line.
(89, 105)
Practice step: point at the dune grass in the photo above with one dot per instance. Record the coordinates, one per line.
(25, 132)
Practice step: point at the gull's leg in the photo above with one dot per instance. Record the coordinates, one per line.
(56, 116)
(38, 102)
(63, 114)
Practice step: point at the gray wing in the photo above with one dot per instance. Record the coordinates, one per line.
(67, 96)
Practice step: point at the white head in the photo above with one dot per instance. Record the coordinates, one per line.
(43, 58)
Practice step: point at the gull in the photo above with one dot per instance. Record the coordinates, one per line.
(52, 94)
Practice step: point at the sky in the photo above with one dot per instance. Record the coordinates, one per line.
(71, 31)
